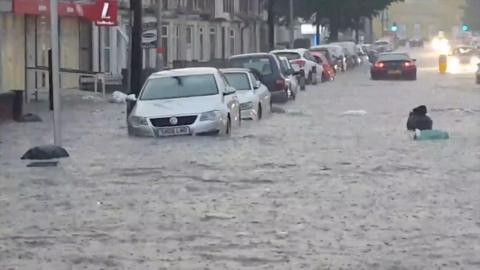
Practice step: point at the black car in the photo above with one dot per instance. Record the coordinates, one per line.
(394, 65)
(416, 42)
(268, 69)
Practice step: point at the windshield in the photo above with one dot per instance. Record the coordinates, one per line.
(179, 87)
(289, 55)
(393, 57)
(261, 64)
(239, 81)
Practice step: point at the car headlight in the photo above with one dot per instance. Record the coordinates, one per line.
(474, 60)
(246, 106)
(138, 121)
(210, 116)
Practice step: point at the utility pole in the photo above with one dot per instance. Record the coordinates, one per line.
(292, 25)
(160, 51)
(136, 53)
(55, 70)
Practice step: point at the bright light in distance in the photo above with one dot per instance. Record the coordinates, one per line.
(441, 45)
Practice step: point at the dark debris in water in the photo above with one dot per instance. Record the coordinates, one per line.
(278, 110)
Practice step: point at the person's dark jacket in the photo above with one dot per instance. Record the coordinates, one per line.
(418, 119)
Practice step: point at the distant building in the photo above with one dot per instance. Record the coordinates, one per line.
(420, 18)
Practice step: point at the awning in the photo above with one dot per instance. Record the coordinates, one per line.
(102, 12)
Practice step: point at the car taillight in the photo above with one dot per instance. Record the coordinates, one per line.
(280, 83)
(379, 65)
(408, 64)
(299, 62)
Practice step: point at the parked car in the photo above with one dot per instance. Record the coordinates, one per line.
(328, 71)
(394, 65)
(331, 60)
(416, 42)
(302, 57)
(191, 101)
(382, 46)
(336, 52)
(350, 52)
(290, 74)
(255, 99)
(266, 67)
(477, 74)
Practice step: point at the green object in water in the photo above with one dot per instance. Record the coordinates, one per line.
(427, 135)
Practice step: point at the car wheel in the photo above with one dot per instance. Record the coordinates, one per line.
(302, 83)
(239, 117)
(374, 77)
(413, 77)
(228, 128)
(259, 112)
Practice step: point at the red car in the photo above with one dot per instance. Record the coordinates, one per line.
(328, 71)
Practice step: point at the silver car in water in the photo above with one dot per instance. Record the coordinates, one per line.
(191, 101)
(255, 99)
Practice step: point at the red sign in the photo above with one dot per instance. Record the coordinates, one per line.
(102, 12)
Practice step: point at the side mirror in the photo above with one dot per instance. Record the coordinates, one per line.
(229, 91)
(131, 98)
(257, 85)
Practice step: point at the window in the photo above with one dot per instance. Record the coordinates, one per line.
(201, 43)
(289, 55)
(106, 50)
(165, 43)
(179, 87)
(213, 43)
(239, 81)
(232, 42)
(261, 64)
(228, 6)
(85, 40)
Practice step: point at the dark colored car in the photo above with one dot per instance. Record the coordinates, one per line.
(416, 42)
(267, 67)
(394, 65)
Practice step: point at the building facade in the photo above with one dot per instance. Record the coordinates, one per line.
(192, 30)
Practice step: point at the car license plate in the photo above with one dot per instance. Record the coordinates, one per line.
(173, 131)
(394, 72)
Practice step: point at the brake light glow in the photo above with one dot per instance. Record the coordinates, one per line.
(299, 62)
(280, 83)
(379, 65)
(407, 64)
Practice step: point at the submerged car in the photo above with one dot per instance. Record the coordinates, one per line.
(291, 77)
(304, 59)
(255, 99)
(191, 101)
(267, 69)
(394, 65)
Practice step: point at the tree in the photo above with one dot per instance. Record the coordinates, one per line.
(343, 14)
(470, 17)
(278, 13)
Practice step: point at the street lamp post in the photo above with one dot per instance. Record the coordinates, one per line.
(55, 69)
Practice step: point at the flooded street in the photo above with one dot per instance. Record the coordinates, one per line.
(306, 188)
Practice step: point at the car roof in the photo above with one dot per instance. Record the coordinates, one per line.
(393, 54)
(299, 50)
(235, 70)
(252, 55)
(185, 72)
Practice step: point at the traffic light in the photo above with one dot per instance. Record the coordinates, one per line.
(394, 27)
(465, 27)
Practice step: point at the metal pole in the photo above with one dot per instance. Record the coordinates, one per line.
(292, 25)
(159, 53)
(57, 136)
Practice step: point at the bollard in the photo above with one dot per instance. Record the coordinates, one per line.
(442, 64)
